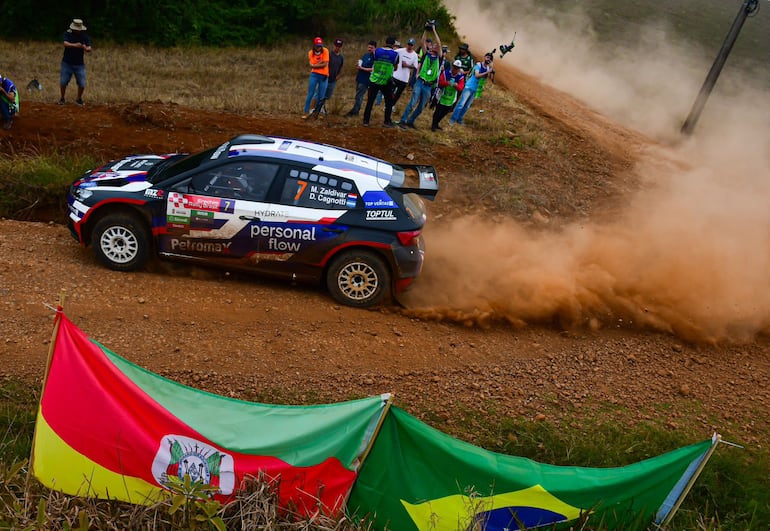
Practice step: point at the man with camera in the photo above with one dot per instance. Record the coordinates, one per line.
(481, 71)
(427, 76)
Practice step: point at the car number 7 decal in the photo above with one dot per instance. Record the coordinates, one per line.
(300, 189)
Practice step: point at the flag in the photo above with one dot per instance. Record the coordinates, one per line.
(107, 428)
(417, 478)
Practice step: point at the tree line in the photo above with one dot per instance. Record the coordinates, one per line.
(217, 23)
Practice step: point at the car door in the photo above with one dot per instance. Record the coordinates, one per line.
(214, 215)
(302, 227)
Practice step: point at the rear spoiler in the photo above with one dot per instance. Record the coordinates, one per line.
(424, 177)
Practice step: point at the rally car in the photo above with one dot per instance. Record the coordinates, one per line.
(278, 206)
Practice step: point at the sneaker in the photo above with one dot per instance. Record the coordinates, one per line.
(351, 113)
(7, 124)
(411, 125)
(305, 116)
(402, 125)
(79, 102)
(61, 101)
(366, 124)
(389, 125)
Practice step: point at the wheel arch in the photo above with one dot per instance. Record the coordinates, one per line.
(111, 209)
(339, 251)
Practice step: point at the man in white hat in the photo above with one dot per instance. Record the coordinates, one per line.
(76, 43)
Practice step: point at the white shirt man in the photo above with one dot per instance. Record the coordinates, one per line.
(408, 63)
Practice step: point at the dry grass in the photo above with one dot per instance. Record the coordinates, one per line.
(256, 80)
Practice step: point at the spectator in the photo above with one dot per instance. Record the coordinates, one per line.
(480, 72)
(446, 64)
(452, 81)
(364, 68)
(318, 57)
(421, 51)
(336, 60)
(408, 66)
(465, 57)
(76, 43)
(427, 76)
(489, 62)
(9, 101)
(381, 80)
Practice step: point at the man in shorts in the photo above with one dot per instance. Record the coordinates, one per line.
(76, 43)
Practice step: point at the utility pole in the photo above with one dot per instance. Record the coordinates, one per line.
(749, 7)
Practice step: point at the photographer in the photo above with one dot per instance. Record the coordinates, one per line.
(481, 72)
(427, 76)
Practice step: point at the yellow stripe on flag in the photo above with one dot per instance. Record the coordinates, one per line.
(57, 466)
(459, 511)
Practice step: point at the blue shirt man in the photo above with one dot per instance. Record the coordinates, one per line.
(364, 68)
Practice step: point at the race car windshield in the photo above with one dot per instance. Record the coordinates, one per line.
(176, 165)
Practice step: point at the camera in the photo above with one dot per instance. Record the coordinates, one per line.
(431, 24)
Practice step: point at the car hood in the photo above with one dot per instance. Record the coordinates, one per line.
(128, 172)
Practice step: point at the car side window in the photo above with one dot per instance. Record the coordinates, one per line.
(310, 189)
(247, 180)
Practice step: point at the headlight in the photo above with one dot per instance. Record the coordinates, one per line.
(82, 193)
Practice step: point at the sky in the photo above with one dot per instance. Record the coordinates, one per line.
(690, 255)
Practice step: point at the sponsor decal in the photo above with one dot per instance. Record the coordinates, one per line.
(153, 193)
(283, 239)
(179, 456)
(179, 203)
(194, 246)
(269, 213)
(328, 196)
(284, 145)
(378, 199)
(381, 215)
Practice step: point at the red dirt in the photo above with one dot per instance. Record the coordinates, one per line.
(247, 337)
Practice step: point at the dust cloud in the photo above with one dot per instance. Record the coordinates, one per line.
(689, 256)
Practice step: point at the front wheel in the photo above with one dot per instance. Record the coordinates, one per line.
(358, 278)
(121, 242)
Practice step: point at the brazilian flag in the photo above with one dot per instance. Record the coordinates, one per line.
(417, 478)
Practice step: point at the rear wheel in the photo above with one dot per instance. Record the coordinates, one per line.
(121, 242)
(358, 278)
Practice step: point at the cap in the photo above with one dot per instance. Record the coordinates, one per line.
(410, 42)
(428, 40)
(338, 42)
(390, 41)
(318, 41)
(397, 43)
(464, 46)
(458, 64)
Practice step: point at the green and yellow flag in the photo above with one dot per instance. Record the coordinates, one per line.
(417, 478)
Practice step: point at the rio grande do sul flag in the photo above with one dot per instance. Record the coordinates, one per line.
(107, 428)
(417, 478)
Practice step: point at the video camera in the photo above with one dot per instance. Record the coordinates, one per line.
(431, 24)
(505, 48)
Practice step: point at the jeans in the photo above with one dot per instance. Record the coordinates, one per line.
(361, 89)
(465, 102)
(330, 86)
(420, 98)
(5, 108)
(316, 85)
